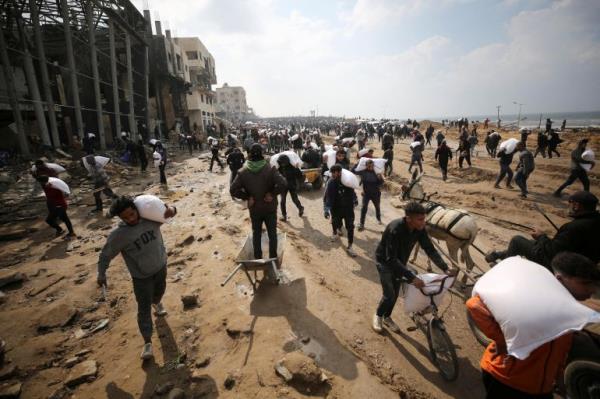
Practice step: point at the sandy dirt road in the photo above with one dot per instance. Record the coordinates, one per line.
(324, 309)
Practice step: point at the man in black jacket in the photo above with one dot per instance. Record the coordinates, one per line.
(259, 183)
(579, 236)
(311, 158)
(235, 160)
(524, 168)
(393, 251)
(292, 175)
(577, 170)
(339, 202)
(505, 159)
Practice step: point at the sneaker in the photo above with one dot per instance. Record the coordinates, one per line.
(351, 252)
(361, 227)
(377, 324)
(491, 257)
(159, 309)
(389, 323)
(147, 352)
(70, 236)
(301, 211)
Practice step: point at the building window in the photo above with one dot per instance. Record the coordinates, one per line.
(178, 62)
(192, 55)
(201, 97)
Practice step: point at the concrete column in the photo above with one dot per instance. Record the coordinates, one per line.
(147, 88)
(64, 9)
(34, 92)
(132, 123)
(89, 16)
(39, 44)
(115, 80)
(12, 96)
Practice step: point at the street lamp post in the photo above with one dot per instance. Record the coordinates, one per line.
(519, 117)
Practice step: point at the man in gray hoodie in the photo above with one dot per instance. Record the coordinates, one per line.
(140, 243)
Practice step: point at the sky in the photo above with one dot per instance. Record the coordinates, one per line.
(398, 58)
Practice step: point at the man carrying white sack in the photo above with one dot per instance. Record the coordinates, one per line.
(505, 376)
(141, 244)
(393, 251)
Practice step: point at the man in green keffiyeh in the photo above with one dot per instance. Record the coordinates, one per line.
(259, 183)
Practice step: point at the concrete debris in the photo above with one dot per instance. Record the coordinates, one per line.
(59, 316)
(11, 277)
(10, 391)
(189, 240)
(8, 372)
(301, 368)
(203, 362)
(82, 372)
(101, 324)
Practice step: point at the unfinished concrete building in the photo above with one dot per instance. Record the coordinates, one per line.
(72, 67)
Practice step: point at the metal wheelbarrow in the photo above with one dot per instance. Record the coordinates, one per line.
(269, 267)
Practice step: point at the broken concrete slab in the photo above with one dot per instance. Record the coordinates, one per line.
(58, 316)
(11, 277)
(82, 372)
(45, 285)
(301, 368)
(10, 390)
(8, 372)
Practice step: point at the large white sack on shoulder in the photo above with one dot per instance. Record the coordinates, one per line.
(415, 301)
(509, 146)
(59, 185)
(314, 146)
(379, 164)
(54, 166)
(415, 144)
(349, 179)
(363, 152)
(294, 159)
(588, 155)
(294, 137)
(329, 157)
(348, 140)
(100, 161)
(151, 207)
(328, 147)
(531, 306)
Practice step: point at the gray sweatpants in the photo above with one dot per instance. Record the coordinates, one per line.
(148, 291)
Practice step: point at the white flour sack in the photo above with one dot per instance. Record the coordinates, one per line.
(151, 207)
(54, 166)
(349, 179)
(100, 161)
(329, 157)
(379, 164)
(415, 301)
(59, 185)
(509, 146)
(531, 306)
(588, 155)
(293, 157)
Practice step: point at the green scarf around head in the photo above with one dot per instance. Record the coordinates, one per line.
(256, 166)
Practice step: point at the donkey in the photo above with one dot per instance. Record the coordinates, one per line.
(454, 226)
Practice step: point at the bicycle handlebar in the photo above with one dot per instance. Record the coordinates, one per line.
(443, 282)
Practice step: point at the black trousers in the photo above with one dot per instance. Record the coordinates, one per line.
(519, 246)
(521, 180)
(540, 150)
(215, 157)
(97, 194)
(143, 164)
(376, 199)
(390, 284)
(389, 168)
(234, 173)
(464, 158)
(270, 221)
(148, 291)
(58, 213)
(496, 390)
(418, 162)
(343, 217)
(505, 170)
(163, 176)
(552, 150)
(444, 168)
(576, 174)
(295, 200)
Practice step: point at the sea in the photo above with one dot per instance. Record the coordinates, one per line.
(574, 119)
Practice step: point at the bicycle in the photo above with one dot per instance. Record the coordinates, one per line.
(441, 348)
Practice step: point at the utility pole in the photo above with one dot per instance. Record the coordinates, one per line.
(498, 108)
(519, 117)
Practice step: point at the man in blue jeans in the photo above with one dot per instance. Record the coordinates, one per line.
(393, 251)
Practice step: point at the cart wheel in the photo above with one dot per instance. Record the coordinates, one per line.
(442, 350)
(582, 379)
(479, 335)
(318, 183)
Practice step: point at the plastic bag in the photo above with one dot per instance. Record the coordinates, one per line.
(294, 159)
(531, 306)
(379, 164)
(54, 166)
(59, 185)
(349, 179)
(588, 155)
(151, 207)
(415, 301)
(509, 146)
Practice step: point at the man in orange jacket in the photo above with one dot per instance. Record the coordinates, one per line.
(505, 376)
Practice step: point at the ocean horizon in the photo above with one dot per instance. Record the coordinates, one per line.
(532, 120)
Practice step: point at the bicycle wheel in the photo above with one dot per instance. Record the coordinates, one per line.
(582, 379)
(442, 350)
(479, 335)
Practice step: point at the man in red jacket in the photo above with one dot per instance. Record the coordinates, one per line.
(57, 207)
(505, 376)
